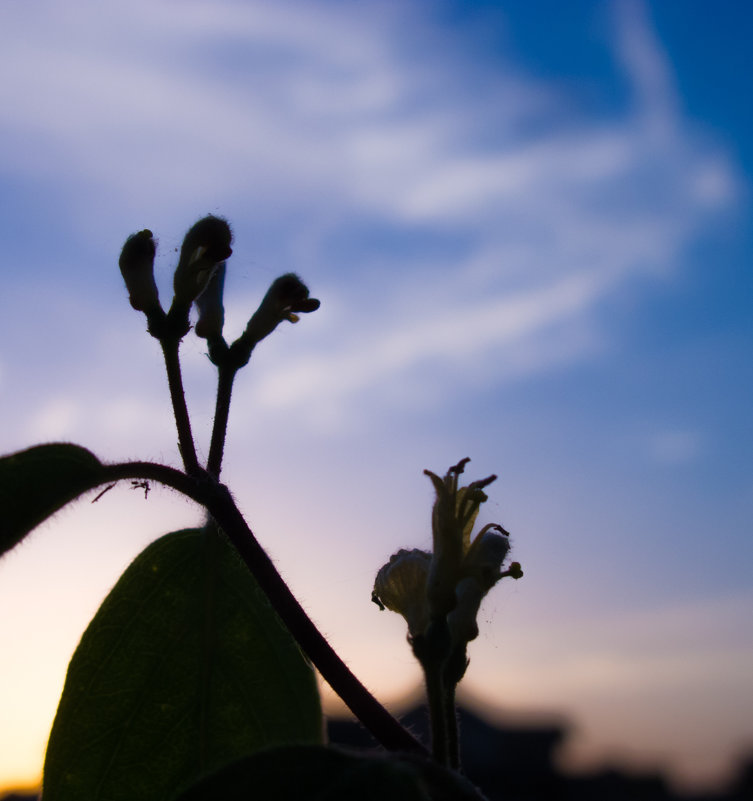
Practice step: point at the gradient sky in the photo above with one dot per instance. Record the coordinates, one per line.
(530, 230)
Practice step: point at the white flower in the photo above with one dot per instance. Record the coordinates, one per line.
(452, 581)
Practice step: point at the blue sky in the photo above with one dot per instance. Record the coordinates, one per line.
(530, 231)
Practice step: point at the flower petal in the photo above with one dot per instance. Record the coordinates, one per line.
(400, 586)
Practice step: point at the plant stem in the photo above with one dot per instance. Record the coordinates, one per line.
(225, 378)
(435, 697)
(451, 722)
(432, 649)
(219, 503)
(454, 670)
(186, 445)
(335, 672)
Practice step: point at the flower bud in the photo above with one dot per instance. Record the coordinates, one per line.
(206, 244)
(137, 268)
(462, 619)
(287, 295)
(514, 571)
(211, 311)
(484, 558)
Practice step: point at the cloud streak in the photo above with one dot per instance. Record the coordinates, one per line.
(331, 116)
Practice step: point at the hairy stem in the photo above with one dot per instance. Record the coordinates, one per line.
(225, 378)
(432, 650)
(436, 699)
(219, 503)
(454, 670)
(180, 410)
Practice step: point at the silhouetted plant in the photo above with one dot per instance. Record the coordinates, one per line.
(439, 595)
(193, 679)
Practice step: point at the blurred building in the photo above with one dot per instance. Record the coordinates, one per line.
(518, 763)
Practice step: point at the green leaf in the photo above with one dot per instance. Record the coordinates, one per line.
(35, 483)
(184, 668)
(319, 773)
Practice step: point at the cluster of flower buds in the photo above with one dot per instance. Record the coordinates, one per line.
(450, 583)
(204, 250)
(199, 279)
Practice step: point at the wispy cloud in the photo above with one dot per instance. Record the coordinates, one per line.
(310, 111)
(455, 339)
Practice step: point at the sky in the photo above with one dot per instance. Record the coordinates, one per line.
(529, 226)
